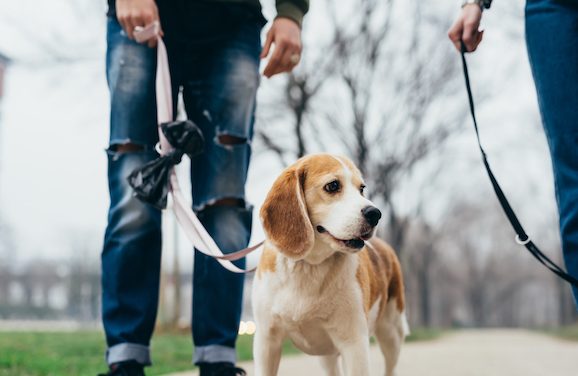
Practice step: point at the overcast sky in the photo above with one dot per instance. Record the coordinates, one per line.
(54, 128)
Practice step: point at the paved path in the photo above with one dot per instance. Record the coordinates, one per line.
(465, 353)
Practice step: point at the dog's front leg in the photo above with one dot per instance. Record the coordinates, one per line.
(267, 345)
(356, 357)
(352, 341)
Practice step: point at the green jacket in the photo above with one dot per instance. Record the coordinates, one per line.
(293, 9)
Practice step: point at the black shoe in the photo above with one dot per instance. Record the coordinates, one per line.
(220, 369)
(130, 368)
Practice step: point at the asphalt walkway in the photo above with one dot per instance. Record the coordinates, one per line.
(464, 353)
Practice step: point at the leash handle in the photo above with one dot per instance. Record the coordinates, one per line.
(521, 237)
(191, 225)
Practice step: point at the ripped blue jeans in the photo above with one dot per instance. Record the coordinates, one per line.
(218, 79)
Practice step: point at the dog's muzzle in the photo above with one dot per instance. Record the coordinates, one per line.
(371, 214)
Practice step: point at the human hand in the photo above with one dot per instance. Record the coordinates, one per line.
(466, 28)
(286, 35)
(137, 13)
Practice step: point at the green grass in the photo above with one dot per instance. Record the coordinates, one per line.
(424, 334)
(565, 332)
(82, 353)
(27, 353)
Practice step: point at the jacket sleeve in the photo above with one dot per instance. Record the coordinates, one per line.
(293, 9)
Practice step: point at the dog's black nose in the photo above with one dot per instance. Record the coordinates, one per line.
(371, 215)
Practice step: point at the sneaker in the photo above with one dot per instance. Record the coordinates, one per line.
(221, 369)
(129, 368)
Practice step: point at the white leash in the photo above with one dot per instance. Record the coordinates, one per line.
(192, 226)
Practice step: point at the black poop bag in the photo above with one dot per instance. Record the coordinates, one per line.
(150, 182)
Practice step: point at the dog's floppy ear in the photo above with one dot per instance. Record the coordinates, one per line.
(284, 214)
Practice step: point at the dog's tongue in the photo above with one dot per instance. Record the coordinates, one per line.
(355, 243)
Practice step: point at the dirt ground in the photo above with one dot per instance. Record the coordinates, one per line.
(464, 353)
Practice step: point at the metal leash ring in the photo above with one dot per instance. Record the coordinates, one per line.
(522, 242)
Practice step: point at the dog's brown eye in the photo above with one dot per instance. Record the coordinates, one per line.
(362, 189)
(332, 187)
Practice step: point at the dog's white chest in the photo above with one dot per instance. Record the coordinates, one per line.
(307, 321)
(308, 309)
(312, 337)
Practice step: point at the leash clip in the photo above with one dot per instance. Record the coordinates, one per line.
(158, 148)
(522, 242)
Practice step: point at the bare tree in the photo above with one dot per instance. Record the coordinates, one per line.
(421, 262)
(496, 275)
(83, 277)
(373, 95)
(7, 252)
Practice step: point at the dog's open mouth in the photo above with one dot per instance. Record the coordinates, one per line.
(355, 243)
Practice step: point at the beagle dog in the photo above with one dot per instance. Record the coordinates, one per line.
(322, 280)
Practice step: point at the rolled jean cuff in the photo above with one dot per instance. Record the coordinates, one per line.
(128, 351)
(214, 354)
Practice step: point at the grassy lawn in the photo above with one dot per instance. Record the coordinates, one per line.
(424, 334)
(81, 353)
(565, 332)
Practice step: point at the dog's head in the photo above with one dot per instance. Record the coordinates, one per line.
(319, 198)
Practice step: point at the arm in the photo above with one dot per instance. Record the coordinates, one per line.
(285, 34)
(466, 26)
(135, 13)
(292, 9)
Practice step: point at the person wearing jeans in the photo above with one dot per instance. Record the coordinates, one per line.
(214, 50)
(552, 43)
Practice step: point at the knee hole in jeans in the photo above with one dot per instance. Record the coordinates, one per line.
(227, 201)
(231, 202)
(227, 139)
(128, 147)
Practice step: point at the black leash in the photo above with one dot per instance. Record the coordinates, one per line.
(521, 237)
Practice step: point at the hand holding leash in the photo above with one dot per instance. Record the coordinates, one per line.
(134, 15)
(466, 28)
